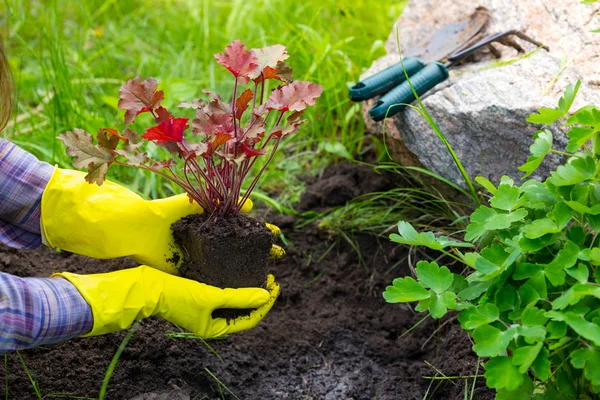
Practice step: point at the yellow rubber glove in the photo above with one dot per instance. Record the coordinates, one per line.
(111, 221)
(119, 298)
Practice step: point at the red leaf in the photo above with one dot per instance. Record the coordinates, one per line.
(213, 116)
(260, 110)
(268, 57)
(220, 138)
(295, 97)
(281, 72)
(162, 114)
(197, 149)
(137, 97)
(241, 104)
(238, 60)
(207, 124)
(250, 152)
(282, 131)
(294, 117)
(170, 130)
(108, 138)
(254, 132)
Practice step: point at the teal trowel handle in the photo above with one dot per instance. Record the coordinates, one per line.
(396, 99)
(385, 80)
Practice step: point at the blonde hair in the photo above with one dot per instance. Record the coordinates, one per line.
(6, 87)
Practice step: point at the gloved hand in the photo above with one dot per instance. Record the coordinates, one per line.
(110, 221)
(119, 298)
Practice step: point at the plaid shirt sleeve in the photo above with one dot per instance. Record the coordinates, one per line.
(38, 311)
(23, 179)
(33, 311)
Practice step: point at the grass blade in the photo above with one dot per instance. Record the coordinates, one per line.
(33, 382)
(115, 359)
(221, 384)
(423, 111)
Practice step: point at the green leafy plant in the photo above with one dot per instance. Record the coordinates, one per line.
(530, 296)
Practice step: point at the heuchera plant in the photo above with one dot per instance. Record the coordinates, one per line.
(232, 135)
(530, 297)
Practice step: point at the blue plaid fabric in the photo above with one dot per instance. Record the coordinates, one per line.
(22, 181)
(38, 311)
(33, 311)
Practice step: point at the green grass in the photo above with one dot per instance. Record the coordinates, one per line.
(70, 58)
(33, 382)
(115, 359)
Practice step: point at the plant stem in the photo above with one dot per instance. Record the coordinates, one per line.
(452, 377)
(255, 181)
(219, 180)
(174, 179)
(235, 86)
(562, 153)
(254, 97)
(262, 88)
(251, 164)
(200, 195)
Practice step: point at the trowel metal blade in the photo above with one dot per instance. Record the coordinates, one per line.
(449, 38)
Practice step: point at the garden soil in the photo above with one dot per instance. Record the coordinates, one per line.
(214, 252)
(329, 336)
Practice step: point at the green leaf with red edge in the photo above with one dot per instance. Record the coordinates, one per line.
(88, 155)
(296, 96)
(137, 97)
(240, 61)
(241, 104)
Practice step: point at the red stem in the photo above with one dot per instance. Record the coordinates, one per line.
(174, 179)
(254, 97)
(220, 180)
(262, 88)
(264, 144)
(204, 203)
(255, 181)
(233, 106)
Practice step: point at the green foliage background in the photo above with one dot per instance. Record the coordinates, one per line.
(70, 58)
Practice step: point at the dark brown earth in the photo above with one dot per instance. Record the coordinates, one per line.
(330, 336)
(227, 252)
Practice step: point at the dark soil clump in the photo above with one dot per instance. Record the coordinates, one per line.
(231, 252)
(329, 336)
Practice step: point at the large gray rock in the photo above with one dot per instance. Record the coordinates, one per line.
(483, 106)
